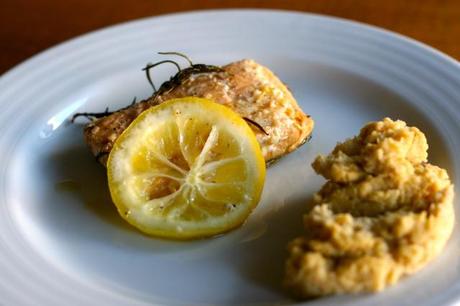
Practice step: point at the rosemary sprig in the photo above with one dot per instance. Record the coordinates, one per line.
(150, 66)
(94, 116)
(91, 116)
(178, 54)
(167, 86)
(180, 76)
(256, 125)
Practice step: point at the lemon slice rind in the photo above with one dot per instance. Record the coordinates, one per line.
(195, 205)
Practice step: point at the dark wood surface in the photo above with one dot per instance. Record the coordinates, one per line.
(30, 26)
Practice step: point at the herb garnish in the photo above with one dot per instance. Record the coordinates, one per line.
(167, 86)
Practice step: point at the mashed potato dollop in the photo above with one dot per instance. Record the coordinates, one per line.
(384, 213)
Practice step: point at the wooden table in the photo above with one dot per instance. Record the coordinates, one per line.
(30, 26)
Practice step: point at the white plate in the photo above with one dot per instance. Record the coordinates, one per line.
(62, 242)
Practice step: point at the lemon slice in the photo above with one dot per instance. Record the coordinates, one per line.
(187, 168)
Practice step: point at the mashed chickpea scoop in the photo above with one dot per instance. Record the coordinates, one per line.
(384, 213)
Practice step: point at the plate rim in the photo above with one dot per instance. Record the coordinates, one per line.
(101, 30)
(37, 57)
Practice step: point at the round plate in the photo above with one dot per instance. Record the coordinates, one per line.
(61, 240)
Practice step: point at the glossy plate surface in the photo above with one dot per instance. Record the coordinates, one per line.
(61, 240)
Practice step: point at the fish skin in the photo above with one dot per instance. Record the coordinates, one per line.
(248, 88)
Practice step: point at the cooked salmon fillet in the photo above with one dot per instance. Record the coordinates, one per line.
(246, 87)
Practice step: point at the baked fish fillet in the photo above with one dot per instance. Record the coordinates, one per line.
(246, 87)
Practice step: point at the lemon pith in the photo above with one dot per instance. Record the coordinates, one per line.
(186, 168)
